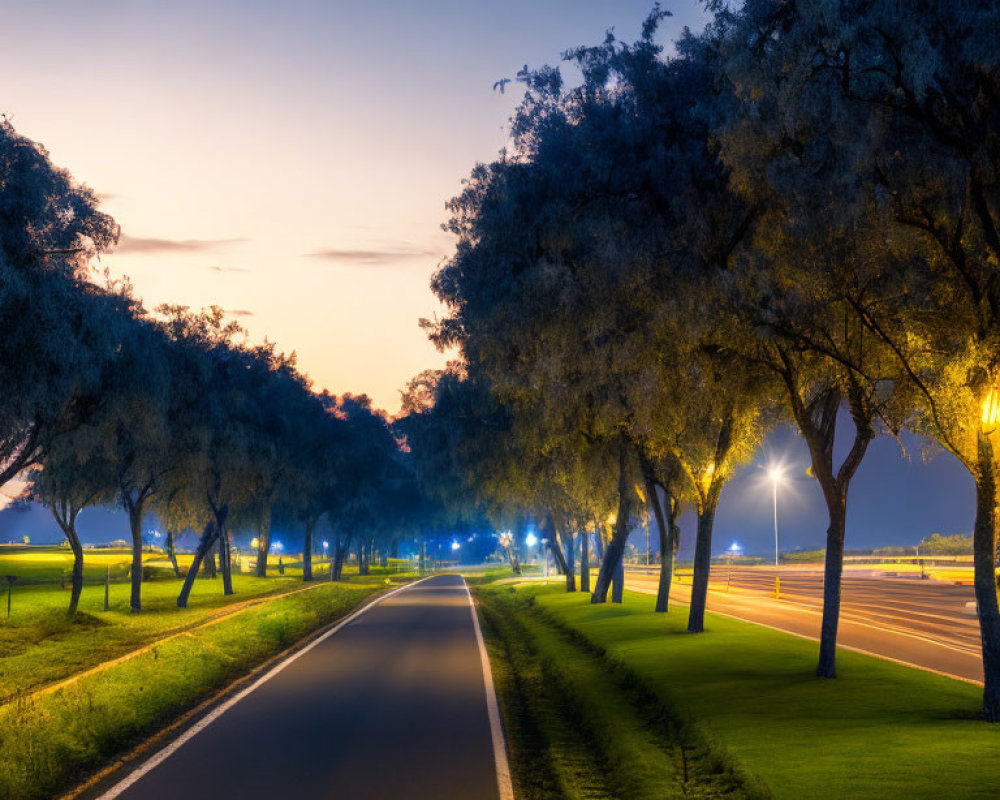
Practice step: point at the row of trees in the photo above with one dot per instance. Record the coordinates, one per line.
(171, 411)
(795, 217)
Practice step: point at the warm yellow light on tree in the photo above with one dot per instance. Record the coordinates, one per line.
(991, 408)
(706, 477)
(255, 543)
(612, 518)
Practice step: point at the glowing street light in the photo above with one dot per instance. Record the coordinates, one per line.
(775, 474)
(455, 546)
(531, 540)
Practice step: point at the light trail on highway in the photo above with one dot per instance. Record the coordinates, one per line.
(925, 623)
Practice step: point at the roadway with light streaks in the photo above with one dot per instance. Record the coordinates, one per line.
(926, 623)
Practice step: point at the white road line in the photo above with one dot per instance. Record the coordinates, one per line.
(844, 646)
(493, 710)
(208, 719)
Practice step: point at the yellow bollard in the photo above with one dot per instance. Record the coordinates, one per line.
(777, 587)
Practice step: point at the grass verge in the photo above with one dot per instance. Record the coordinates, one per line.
(39, 645)
(879, 731)
(51, 742)
(578, 730)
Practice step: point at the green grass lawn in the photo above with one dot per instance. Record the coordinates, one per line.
(878, 731)
(51, 741)
(579, 731)
(39, 645)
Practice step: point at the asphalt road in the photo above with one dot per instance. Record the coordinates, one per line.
(393, 705)
(921, 622)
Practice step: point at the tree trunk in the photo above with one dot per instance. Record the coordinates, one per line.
(204, 547)
(208, 565)
(832, 572)
(339, 551)
(584, 561)
(394, 549)
(618, 583)
(76, 578)
(984, 547)
(702, 565)
(307, 546)
(225, 562)
(362, 562)
(559, 556)
(263, 546)
(568, 562)
(172, 553)
(599, 540)
(135, 527)
(615, 548)
(666, 563)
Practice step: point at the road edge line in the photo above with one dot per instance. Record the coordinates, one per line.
(840, 646)
(504, 784)
(172, 747)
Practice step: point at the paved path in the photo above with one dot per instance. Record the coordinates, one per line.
(922, 623)
(392, 706)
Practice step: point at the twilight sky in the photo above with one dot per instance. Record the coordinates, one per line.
(290, 161)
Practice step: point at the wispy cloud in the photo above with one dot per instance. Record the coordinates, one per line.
(134, 244)
(373, 256)
(228, 269)
(239, 312)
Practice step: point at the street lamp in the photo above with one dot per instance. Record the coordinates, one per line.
(775, 474)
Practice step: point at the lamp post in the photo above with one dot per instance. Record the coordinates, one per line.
(775, 474)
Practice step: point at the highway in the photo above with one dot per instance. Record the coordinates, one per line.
(925, 623)
(394, 704)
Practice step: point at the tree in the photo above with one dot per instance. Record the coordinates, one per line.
(50, 227)
(897, 108)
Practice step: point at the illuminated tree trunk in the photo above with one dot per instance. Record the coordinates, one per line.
(984, 548)
(613, 552)
(618, 583)
(205, 544)
(584, 561)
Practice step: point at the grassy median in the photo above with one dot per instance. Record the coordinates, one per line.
(577, 729)
(50, 741)
(878, 731)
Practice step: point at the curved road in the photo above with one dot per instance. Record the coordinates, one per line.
(392, 705)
